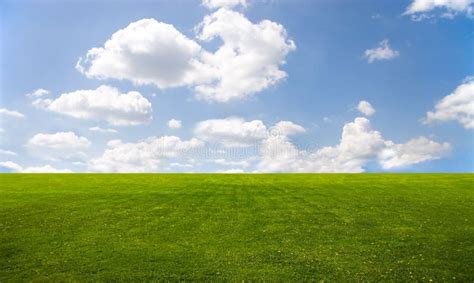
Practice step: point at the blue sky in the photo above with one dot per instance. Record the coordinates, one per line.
(232, 90)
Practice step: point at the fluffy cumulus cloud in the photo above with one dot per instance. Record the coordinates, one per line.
(143, 156)
(214, 4)
(278, 154)
(238, 141)
(231, 132)
(381, 53)
(174, 124)
(60, 140)
(104, 103)
(420, 9)
(145, 52)
(414, 151)
(61, 145)
(16, 168)
(286, 128)
(38, 93)
(255, 147)
(249, 59)
(236, 132)
(359, 146)
(151, 52)
(10, 113)
(366, 108)
(458, 106)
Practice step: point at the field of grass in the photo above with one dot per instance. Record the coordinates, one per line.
(280, 227)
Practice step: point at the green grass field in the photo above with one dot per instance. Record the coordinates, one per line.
(366, 227)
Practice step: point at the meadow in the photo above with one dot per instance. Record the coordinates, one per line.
(211, 227)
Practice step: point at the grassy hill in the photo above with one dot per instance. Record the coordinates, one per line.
(284, 227)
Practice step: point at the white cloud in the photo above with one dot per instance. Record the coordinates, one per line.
(236, 132)
(278, 154)
(145, 52)
(458, 106)
(414, 151)
(11, 113)
(383, 52)
(359, 146)
(143, 156)
(38, 169)
(38, 93)
(231, 132)
(11, 166)
(60, 140)
(104, 103)
(102, 130)
(150, 52)
(214, 4)
(286, 128)
(174, 124)
(249, 59)
(224, 162)
(419, 9)
(181, 165)
(7, 152)
(231, 171)
(365, 108)
(44, 169)
(57, 146)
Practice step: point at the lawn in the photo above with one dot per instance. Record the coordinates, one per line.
(278, 227)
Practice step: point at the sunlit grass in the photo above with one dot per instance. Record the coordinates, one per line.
(237, 227)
